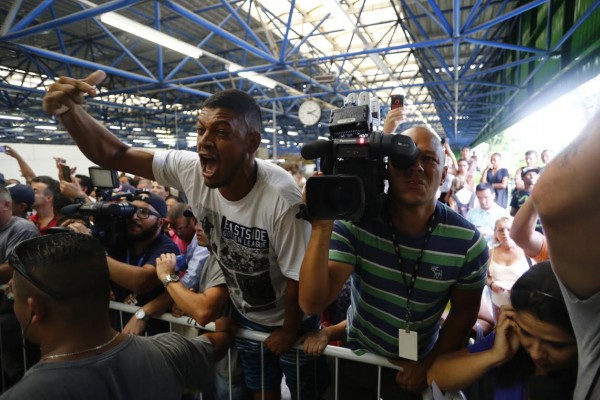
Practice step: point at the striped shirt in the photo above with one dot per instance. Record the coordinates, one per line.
(456, 257)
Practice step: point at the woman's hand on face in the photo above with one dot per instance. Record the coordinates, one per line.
(507, 341)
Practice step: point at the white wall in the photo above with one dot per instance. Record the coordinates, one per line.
(39, 157)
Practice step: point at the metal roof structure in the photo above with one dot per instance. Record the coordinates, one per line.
(464, 66)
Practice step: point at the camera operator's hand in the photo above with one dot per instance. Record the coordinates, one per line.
(393, 119)
(165, 265)
(77, 226)
(67, 93)
(326, 224)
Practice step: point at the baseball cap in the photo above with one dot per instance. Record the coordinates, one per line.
(525, 171)
(154, 200)
(21, 193)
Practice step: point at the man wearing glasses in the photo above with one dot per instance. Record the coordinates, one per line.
(132, 264)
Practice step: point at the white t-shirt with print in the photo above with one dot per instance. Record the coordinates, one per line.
(257, 241)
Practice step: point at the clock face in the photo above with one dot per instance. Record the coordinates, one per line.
(309, 112)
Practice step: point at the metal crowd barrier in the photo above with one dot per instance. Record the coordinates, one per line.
(333, 352)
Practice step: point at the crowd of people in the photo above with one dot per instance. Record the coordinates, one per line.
(446, 285)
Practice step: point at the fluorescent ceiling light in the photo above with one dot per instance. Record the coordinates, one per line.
(265, 141)
(11, 117)
(292, 133)
(153, 35)
(252, 76)
(268, 129)
(137, 129)
(46, 127)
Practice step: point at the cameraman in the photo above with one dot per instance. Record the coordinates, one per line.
(132, 264)
(403, 271)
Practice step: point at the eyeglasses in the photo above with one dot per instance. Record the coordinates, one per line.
(18, 266)
(144, 213)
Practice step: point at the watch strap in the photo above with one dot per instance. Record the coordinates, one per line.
(170, 278)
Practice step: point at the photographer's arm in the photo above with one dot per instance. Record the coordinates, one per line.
(137, 279)
(65, 99)
(320, 279)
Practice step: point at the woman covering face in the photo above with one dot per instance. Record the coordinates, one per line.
(532, 354)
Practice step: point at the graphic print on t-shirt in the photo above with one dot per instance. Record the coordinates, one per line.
(243, 255)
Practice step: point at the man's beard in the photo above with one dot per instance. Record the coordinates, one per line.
(144, 235)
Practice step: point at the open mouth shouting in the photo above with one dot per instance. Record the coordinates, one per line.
(209, 165)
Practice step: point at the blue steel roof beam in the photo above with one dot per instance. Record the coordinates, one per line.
(479, 49)
(576, 25)
(509, 15)
(424, 33)
(17, 32)
(502, 67)
(126, 51)
(297, 47)
(288, 26)
(506, 46)
(10, 16)
(221, 32)
(415, 45)
(488, 53)
(86, 64)
(456, 43)
(29, 18)
(486, 94)
(245, 26)
(543, 61)
(441, 20)
(200, 45)
(494, 84)
(471, 17)
(61, 42)
(159, 49)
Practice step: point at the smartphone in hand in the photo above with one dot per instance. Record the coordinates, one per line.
(66, 173)
(397, 101)
(3, 149)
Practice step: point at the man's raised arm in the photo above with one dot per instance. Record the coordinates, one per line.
(64, 100)
(565, 197)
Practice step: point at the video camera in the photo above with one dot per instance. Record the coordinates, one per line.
(354, 163)
(108, 216)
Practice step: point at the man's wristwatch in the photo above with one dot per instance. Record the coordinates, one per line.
(170, 278)
(141, 315)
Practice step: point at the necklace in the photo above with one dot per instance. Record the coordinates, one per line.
(54, 356)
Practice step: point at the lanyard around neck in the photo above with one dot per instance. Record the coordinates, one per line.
(410, 285)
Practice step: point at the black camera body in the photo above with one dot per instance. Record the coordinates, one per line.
(108, 216)
(354, 165)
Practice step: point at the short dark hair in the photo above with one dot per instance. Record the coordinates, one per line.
(530, 152)
(53, 186)
(71, 265)
(537, 292)
(240, 103)
(86, 181)
(483, 186)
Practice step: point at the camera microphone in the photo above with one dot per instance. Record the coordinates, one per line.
(316, 149)
(352, 99)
